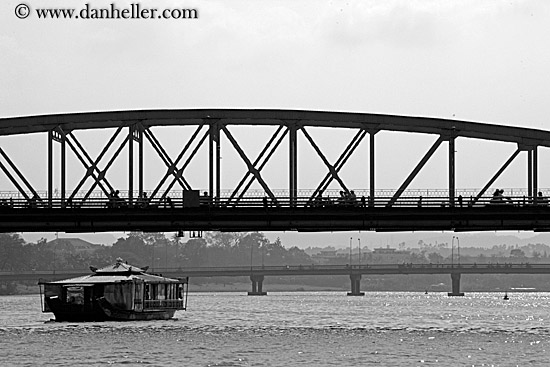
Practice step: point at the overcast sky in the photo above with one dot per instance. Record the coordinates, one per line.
(483, 61)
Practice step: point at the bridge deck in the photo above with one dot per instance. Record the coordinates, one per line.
(282, 218)
(304, 270)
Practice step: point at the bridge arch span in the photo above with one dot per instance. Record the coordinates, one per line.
(367, 121)
(134, 129)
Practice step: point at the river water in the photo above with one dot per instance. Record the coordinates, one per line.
(293, 329)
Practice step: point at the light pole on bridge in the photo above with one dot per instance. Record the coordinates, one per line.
(359, 251)
(458, 242)
(54, 249)
(452, 250)
(350, 239)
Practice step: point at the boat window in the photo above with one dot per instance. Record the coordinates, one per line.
(172, 291)
(147, 292)
(75, 295)
(151, 291)
(137, 291)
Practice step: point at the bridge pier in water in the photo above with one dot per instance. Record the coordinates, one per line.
(257, 283)
(355, 285)
(455, 280)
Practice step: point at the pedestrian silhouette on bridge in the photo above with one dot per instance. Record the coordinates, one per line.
(542, 200)
(352, 198)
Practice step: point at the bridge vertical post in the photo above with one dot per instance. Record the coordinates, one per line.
(355, 285)
(218, 162)
(131, 165)
(50, 167)
(535, 174)
(372, 176)
(530, 175)
(293, 164)
(452, 187)
(211, 161)
(214, 159)
(63, 142)
(257, 285)
(455, 280)
(139, 139)
(56, 135)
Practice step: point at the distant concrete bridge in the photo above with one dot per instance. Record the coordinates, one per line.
(355, 272)
(95, 204)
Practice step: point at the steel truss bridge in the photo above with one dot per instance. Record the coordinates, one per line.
(257, 274)
(174, 204)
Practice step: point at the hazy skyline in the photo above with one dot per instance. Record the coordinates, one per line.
(475, 61)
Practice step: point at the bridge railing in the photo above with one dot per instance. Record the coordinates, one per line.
(265, 202)
(351, 267)
(259, 193)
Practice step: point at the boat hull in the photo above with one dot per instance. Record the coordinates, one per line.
(104, 311)
(112, 313)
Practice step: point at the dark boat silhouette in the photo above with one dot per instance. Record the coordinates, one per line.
(117, 292)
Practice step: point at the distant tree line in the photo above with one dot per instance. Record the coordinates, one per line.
(152, 249)
(149, 249)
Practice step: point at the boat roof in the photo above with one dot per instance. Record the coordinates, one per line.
(104, 279)
(119, 267)
(117, 273)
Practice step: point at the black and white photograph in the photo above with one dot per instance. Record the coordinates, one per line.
(274, 183)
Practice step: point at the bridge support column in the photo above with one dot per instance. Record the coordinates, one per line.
(355, 285)
(455, 278)
(257, 282)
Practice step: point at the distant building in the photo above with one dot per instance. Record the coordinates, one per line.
(384, 251)
(73, 246)
(324, 256)
(390, 255)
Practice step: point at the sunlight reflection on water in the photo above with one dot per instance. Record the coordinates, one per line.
(281, 329)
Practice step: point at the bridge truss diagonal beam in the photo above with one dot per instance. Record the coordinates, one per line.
(332, 170)
(340, 162)
(496, 175)
(166, 159)
(107, 166)
(19, 174)
(173, 170)
(91, 165)
(186, 163)
(260, 162)
(415, 171)
(251, 168)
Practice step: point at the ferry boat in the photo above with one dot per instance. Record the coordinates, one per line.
(118, 292)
